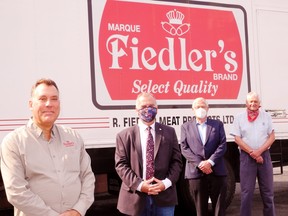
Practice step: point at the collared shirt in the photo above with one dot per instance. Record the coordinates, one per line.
(46, 177)
(255, 133)
(202, 129)
(143, 138)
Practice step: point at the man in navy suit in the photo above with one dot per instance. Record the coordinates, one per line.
(141, 195)
(203, 144)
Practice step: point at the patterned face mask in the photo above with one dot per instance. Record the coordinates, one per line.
(148, 114)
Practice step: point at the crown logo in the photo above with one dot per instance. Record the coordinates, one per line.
(175, 17)
(174, 26)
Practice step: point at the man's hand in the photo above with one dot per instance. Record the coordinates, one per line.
(205, 167)
(260, 160)
(71, 212)
(153, 186)
(256, 154)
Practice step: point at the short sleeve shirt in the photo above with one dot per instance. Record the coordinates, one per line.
(255, 133)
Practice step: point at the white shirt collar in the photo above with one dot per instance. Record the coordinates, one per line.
(143, 126)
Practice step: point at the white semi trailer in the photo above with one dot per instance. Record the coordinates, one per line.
(102, 53)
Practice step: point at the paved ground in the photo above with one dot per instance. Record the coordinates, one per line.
(281, 200)
(106, 204)
(281, 196)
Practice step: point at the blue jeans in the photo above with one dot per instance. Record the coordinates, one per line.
(152, 210)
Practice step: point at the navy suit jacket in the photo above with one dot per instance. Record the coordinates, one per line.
(129, 166)
(194, 151)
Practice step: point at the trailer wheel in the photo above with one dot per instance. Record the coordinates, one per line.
(231, 184)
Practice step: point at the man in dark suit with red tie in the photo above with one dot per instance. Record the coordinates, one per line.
(203, 144)
(140, 193)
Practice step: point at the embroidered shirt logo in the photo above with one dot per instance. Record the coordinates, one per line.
(68, 143)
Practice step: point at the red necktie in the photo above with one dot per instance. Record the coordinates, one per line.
(149, 155)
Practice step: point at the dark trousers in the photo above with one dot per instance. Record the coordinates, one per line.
(211, 186)
(249, 171)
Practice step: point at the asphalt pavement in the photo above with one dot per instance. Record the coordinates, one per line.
(105, 204)
(280, 196)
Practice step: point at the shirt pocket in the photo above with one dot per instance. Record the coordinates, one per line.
(71, 159)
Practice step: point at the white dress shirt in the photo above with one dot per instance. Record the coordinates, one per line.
(143, 137)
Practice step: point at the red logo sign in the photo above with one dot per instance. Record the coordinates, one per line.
(177, 52)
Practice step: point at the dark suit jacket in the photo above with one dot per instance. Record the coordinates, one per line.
(129, 166)
(195, 152)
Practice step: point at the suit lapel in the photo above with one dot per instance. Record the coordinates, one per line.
(136, 132)
(196, 131)
(158, 137)
(209, 128)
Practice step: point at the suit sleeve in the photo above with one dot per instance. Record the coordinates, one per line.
(123, 162)
(176, 161)
(186, 150)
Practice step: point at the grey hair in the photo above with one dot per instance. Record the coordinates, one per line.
(253, 94)
(199, 99)
(145, 94)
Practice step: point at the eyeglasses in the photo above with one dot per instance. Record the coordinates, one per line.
(147, 107)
